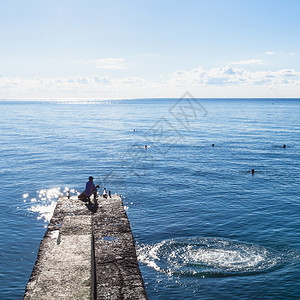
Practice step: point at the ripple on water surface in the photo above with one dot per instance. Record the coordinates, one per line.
(207, 257)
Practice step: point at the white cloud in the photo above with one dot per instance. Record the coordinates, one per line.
(230, 75)
(270, 53)
(103, 80)
(108, 63)
(248, 62)
(225, 81)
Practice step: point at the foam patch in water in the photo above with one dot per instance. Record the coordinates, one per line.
(207, 257)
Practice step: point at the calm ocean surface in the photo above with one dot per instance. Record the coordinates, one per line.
(205, 227)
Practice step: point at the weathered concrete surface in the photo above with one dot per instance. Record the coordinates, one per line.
(64, 268)
(88, 252)
(117, 272)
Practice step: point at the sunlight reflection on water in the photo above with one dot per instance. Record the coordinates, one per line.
(44, 204)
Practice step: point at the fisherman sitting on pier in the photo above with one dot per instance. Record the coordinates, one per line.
(90, 189)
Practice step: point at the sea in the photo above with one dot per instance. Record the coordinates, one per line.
(205, 225)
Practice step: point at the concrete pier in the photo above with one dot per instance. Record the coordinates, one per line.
(88, 252)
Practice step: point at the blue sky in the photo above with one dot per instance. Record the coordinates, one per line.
(138, 48)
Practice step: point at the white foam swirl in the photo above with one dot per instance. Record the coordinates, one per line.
(204, 256)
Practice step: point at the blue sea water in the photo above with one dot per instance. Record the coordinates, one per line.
(204, 226)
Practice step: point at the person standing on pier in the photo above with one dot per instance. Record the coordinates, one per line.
(91, 189)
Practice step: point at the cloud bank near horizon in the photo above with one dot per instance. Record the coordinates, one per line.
(231, 80)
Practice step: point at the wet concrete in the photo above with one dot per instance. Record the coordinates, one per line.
(88, 252)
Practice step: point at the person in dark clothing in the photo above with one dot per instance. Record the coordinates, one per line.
(91, 189)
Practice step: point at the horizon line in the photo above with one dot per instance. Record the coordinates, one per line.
(137, 98)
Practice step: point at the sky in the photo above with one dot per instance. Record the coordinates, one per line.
(95, 49)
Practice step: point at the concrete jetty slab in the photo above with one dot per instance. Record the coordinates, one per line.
(88, 252)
